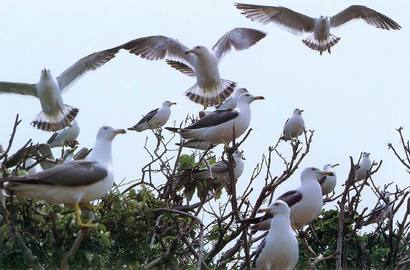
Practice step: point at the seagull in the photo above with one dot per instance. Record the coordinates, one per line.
(196, 144)
(328, 183)
(220, 126)
(305, 202)
(380, 212)
(298, 23)
(294, 126)
(280, 249)
(364, 167)
(56, 115)
(67, 136)
(232, 100)
(155, 118)
(72, 183)
(197, 62)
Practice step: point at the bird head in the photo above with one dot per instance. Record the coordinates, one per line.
(108, 133)
(314, 173)
(366, 154)
(297, 111)
(276, 208)
(45, 74)
(168, 103)
(197, 50)
(248, 98)
(238, 155)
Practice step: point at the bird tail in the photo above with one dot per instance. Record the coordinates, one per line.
(210, 97)
(321, 45)
(57, 121)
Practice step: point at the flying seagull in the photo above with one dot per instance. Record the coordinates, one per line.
(280, 249)
(155, 118)
(79, 181)
(380, 212)
(67, 136)
(196, 144)
(294, 126)
(56, 115)
(305, 202)
(232, 100)
(364, 167)
(197, 62)
(220, 126)
(298, 23)
(328, 183)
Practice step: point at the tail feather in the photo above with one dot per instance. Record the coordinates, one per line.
(321, 45)
(56, 121)
(208, 97)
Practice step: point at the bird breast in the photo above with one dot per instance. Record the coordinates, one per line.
(207, 72)
(49, 95)
(321, 29)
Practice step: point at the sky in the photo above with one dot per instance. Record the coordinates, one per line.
(354, 98)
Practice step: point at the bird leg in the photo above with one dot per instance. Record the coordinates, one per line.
(77, 212)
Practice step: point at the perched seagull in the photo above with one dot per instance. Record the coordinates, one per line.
(232, 100)
(218, 126)
(196, 144)
(56, 115)
(155, 118)
(197, 62)
(294, 126)
(220, 170)
(67, 136)
(305, 202)
(364, 167)
(328, 183)
(79, 181)
(380, 212)
(280, 249)
(298, 23)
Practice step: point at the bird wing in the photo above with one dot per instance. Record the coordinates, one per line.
(258, 251)
(293, 21)
(214, 118)
(291, 197)
(18, 88)
(160, 47)
(53, 137)
(72, 174)
(238, 38)
(87, 63)
(148, 116)
(181, 67)
(371, 16)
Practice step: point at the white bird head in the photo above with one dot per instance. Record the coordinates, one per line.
(313, 173)
(297, 111)
(108, 133)
(168, 103)
(240, 91)
(238, 155)
(330, 166)
(198, 50)
(248, 98)
(366, 154)
(278, 207)
(45, 74)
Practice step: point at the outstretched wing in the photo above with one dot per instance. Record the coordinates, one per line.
(370, 16)
(181, 67)
(238, 38)
(18, 88)
(293, 21)
(87, 63)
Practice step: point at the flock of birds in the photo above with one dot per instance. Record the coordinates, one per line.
(82, 181)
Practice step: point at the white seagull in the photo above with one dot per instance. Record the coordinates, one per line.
(79, 181)
(298, 23)
(220, 126)
(328, 183)
(197, 62)
(305, 202)
(232, 100)
(381, 211)
(294, 126)
(280, 249)
(364, 167)
(67, 136)
(56, 115)
(155, 118)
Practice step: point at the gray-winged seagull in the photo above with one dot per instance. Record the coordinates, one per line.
(196, 144)
(328, 183)
(221, 125)
(364, 167)
(56, 115)
(294, 126)
(232, 100)
(75, 182)
(155, 118)
(381, 211)
(198, 62)
(280, 248)
(322, 39)
(305, 202)
(67, 136)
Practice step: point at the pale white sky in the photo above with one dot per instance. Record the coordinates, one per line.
(353, 98)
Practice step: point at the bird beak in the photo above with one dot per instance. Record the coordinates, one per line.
(258, 97)
(302, 111)
(335, 165)
(173, 103)
(327, 174)
(189, 51)
(120, 131)
(263, 210)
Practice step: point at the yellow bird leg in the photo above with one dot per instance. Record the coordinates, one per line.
(77, 212)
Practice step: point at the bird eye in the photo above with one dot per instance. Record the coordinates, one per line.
(276, 204)
(197, 47)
